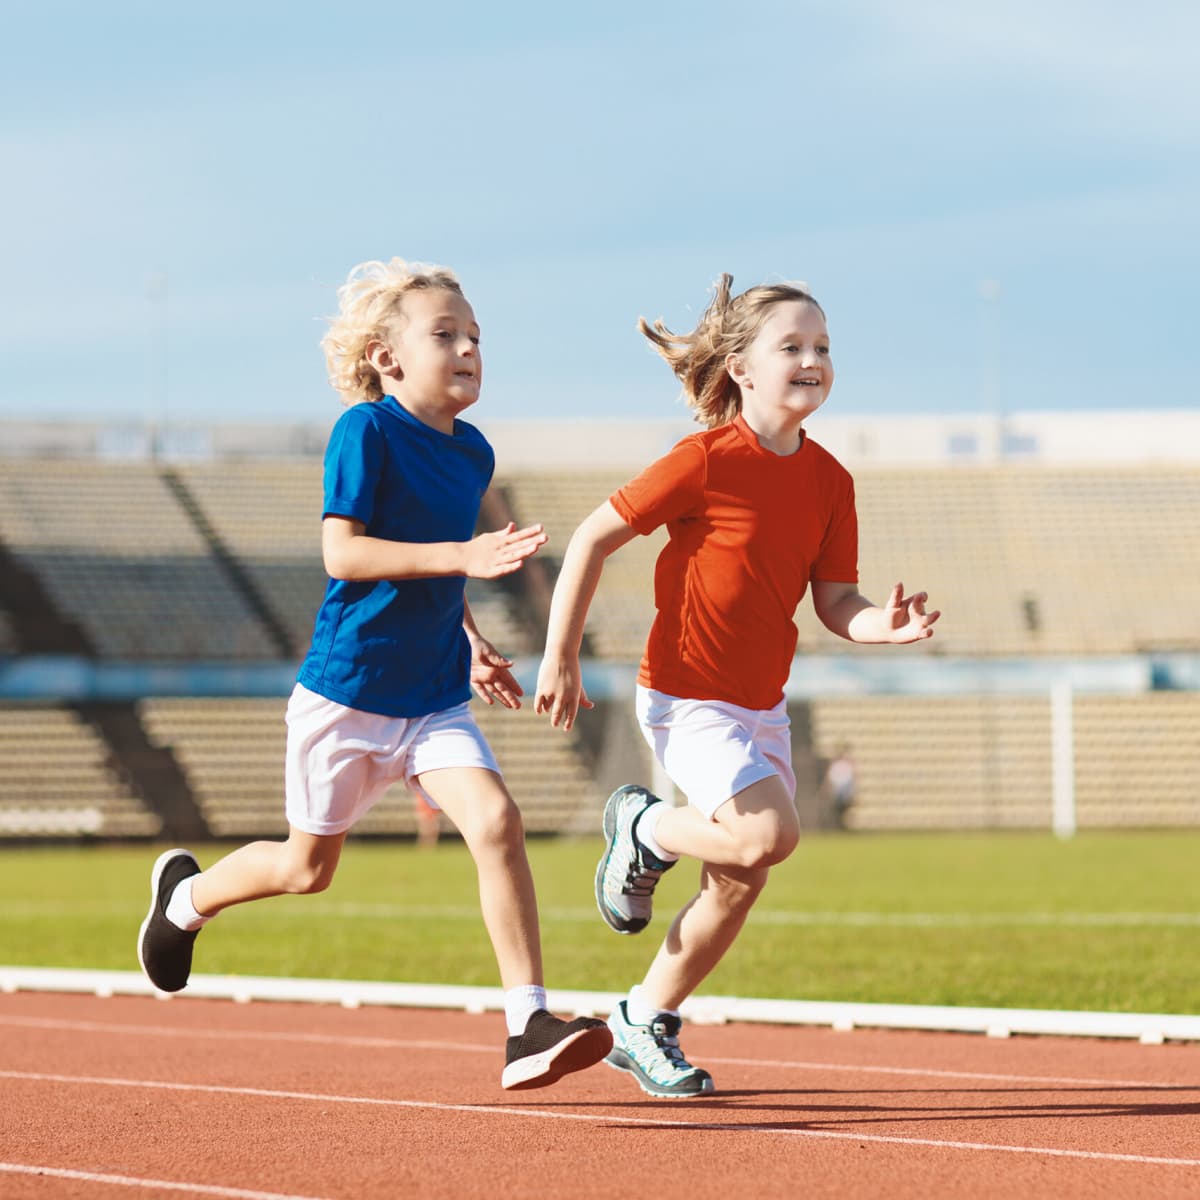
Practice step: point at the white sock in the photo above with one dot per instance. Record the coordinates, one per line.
(520, 1003)
(639, 1010)
(647, 826)
(180, 910)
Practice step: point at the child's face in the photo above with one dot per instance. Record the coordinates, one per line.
(786, 369)
(434, 344)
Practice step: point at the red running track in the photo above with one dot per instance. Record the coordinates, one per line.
(139, 1097)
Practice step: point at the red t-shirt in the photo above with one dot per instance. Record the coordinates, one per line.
(748, 530)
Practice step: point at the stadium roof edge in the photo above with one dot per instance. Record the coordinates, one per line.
(1065, 438)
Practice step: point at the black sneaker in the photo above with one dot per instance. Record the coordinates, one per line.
(550, 1048)
(165, 950)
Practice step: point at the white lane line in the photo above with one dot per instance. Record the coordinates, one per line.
(571, 915)
(167, 1185)
(938, 1073)
(251, 1035)
(382, 1043)
(616, 1118)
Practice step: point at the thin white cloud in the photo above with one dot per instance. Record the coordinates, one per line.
(1135, 64)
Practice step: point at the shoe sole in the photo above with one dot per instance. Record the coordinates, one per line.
(155, 878)
(615, 923)
(707, 1089)
(582, 1049)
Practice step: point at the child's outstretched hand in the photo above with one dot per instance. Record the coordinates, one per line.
(905, 617)
(491, 675)
(560, 691)
(491, 555)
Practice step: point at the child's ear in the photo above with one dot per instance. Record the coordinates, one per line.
(736, 366)
(381, 357)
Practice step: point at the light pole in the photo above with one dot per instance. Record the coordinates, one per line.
(158, 397)
(991, 400)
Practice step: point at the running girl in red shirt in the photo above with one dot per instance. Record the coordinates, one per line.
(757, 513)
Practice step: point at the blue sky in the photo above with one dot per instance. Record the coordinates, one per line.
(581, 166)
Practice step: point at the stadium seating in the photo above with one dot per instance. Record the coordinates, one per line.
(1032, 560)
(8, 638)
(116, 552)
(207, 562)
(984, 762)
(56, 780)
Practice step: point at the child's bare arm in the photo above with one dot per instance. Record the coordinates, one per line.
(491, 674)
(560, 685)
(844, 610)
(350, 554)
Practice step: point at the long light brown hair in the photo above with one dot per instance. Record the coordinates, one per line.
(728, 326)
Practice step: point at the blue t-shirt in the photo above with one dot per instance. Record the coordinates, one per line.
(398, 647)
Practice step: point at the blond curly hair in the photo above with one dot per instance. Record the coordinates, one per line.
(368, 303)
(728, 326)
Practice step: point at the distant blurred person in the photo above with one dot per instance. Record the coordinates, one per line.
(841, 784)
(429, 821)
(757, 514)
(382, 695)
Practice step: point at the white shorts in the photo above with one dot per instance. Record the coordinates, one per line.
(341, 760)
(713, 750)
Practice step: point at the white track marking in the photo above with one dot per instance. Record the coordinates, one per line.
(253, 1035)
(618, 1118)
(167, 1185)
(383, 1043)
(766, 916)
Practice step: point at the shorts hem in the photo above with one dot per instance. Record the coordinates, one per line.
(319, 828)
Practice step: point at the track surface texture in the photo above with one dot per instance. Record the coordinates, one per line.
(104, 1098)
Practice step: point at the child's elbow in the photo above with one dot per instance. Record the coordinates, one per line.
(339, 566)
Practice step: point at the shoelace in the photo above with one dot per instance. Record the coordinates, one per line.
(641, 880)
(665, 1045)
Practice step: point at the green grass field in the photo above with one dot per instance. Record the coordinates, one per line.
(1106, 921)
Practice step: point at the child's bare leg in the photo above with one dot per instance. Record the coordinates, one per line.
(748, 834)
(756, 828)
(541, 1049)
(304, 863)
(702, 932)
(478, 803)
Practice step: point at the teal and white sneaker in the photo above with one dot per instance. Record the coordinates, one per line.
(628, 873)
(651, 1054)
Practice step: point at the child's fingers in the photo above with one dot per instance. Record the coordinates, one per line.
(513, 534)
(521, 550)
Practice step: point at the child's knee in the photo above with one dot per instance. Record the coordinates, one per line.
(765, 843)
(306, 877)
(496, 823)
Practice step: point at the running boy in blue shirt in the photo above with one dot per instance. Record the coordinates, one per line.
(382, 694)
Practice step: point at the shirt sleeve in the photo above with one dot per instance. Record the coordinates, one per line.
(666, 490)
(353, 465)
(837, 561)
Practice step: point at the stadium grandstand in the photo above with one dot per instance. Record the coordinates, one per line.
(157, 590)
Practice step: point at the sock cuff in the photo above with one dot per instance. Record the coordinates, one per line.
(180, 911)
(520, 1003)
(646, 831)
(639, 1009)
